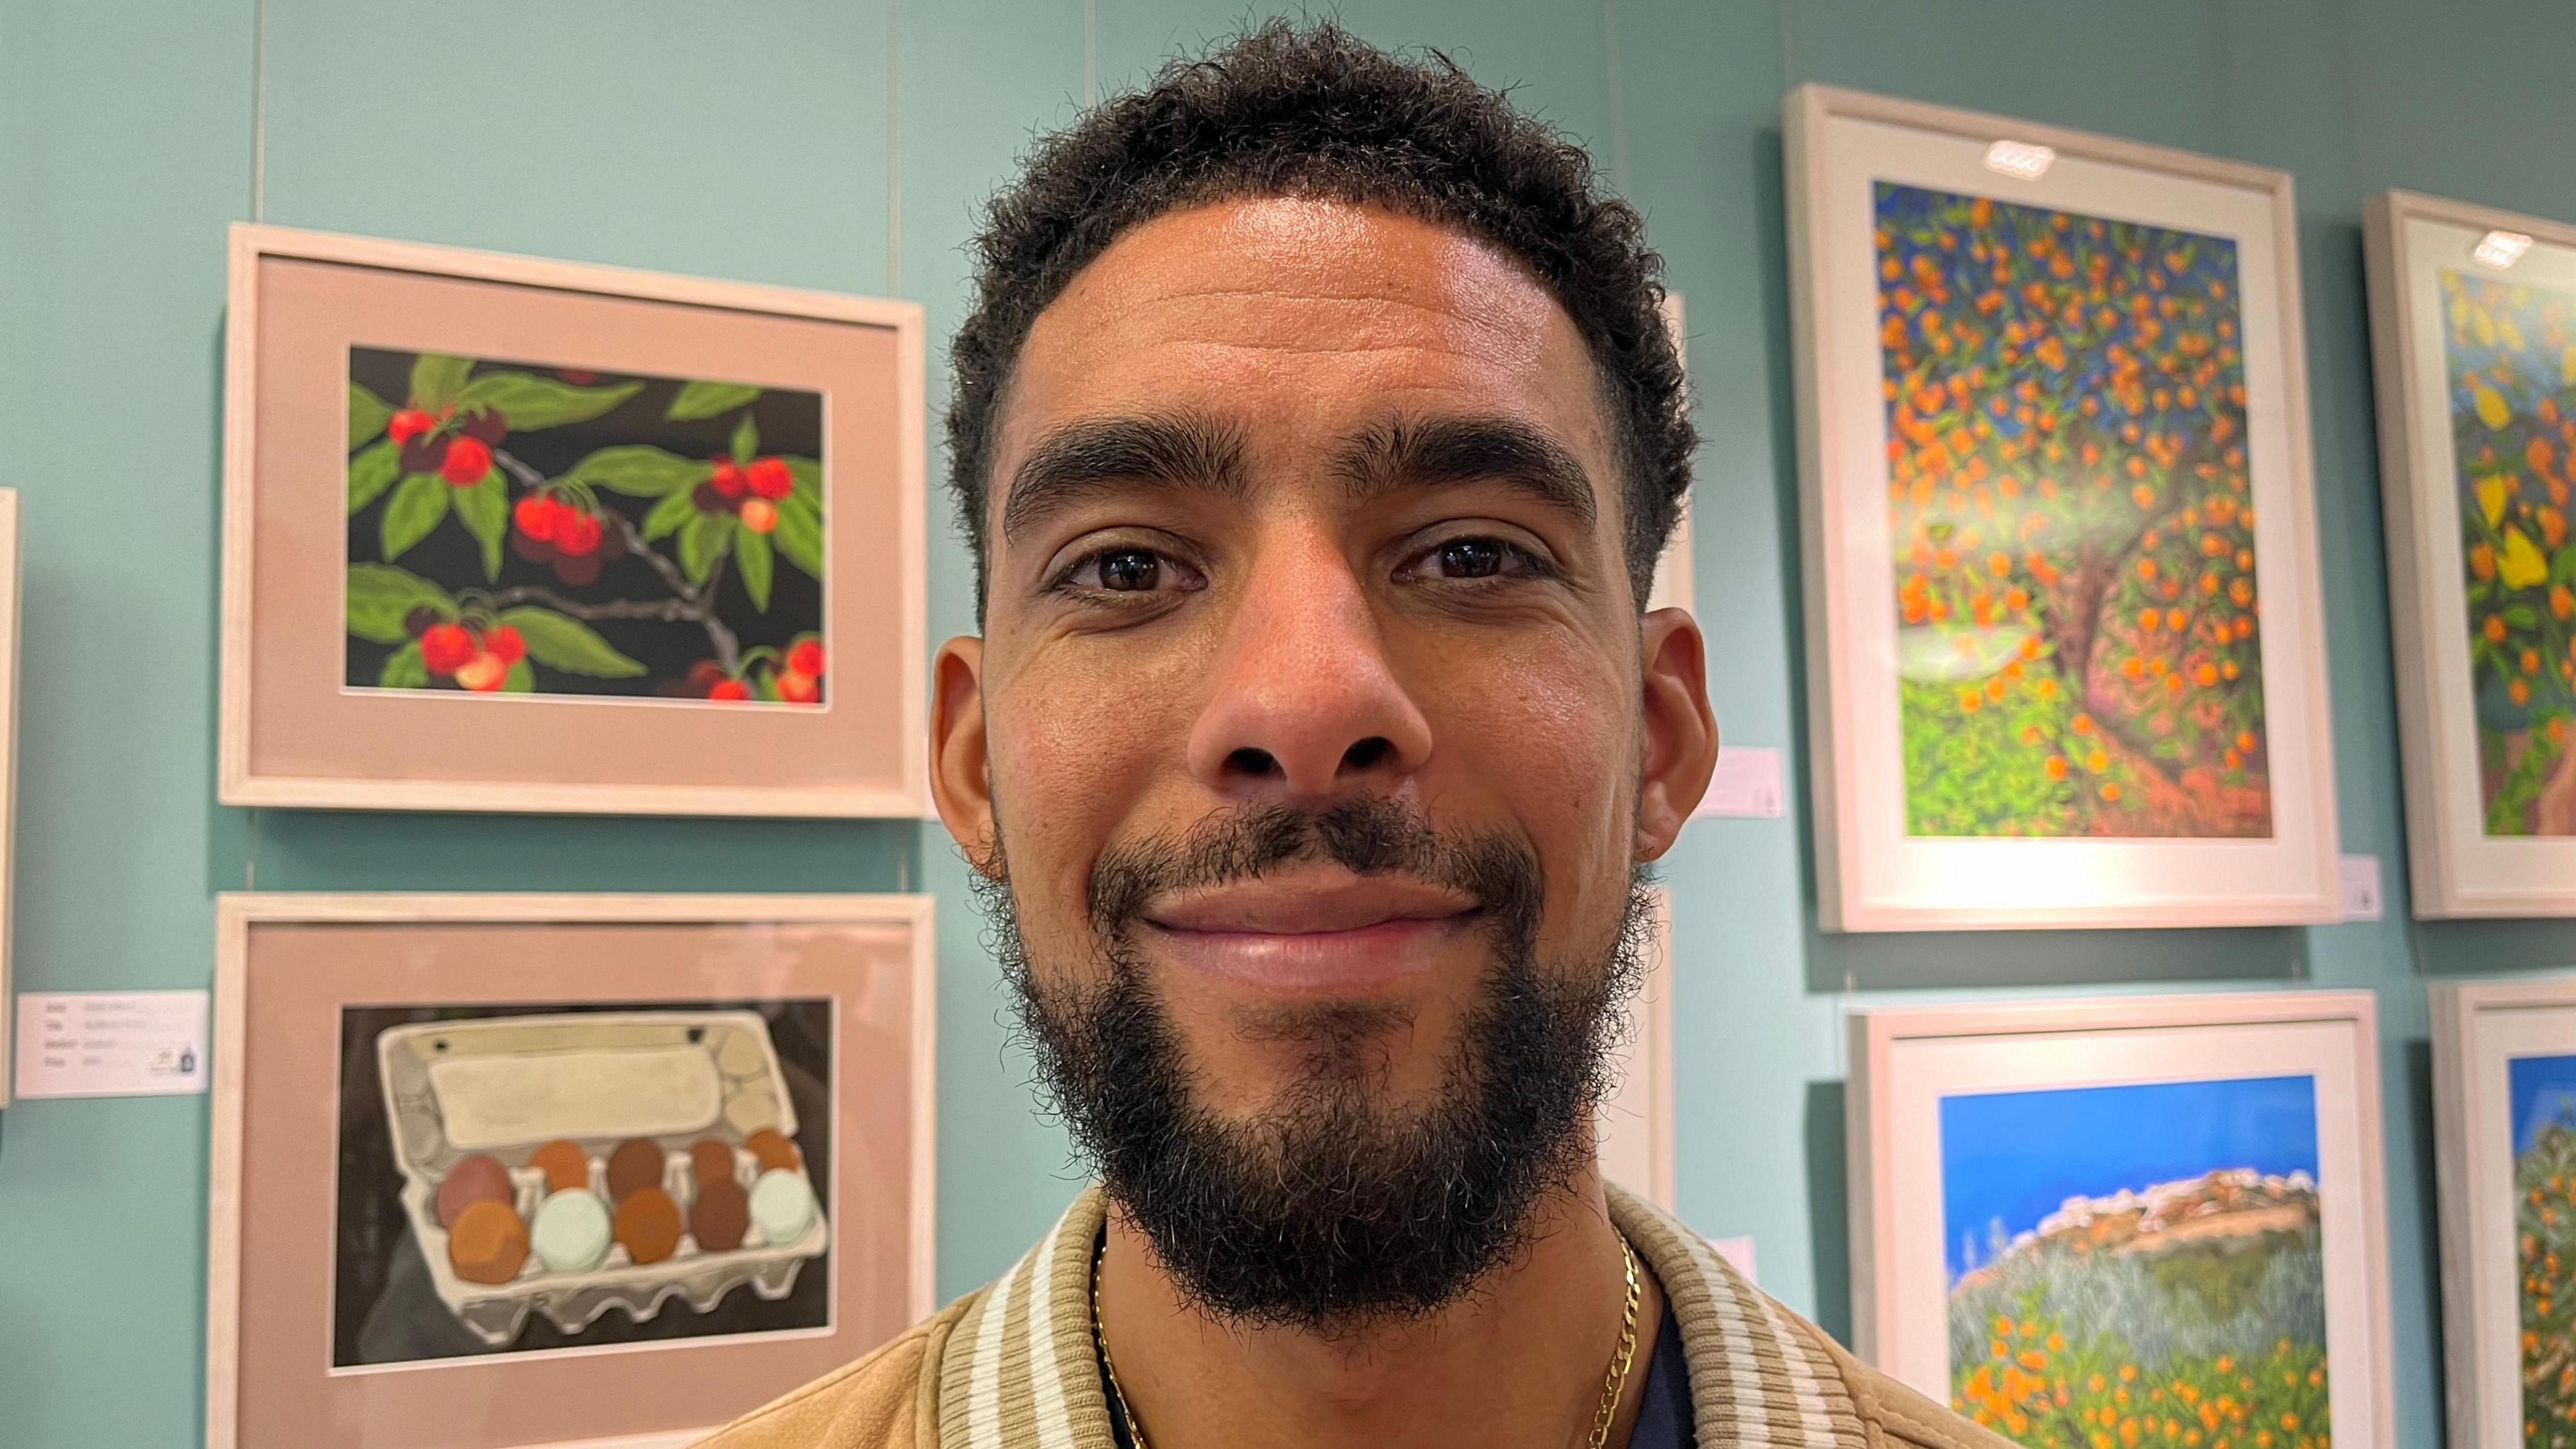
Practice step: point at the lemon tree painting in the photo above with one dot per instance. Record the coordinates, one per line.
(2072, 531)
(522, 529)
(2542, 1092)
(2137, 1267)
(2511, 365)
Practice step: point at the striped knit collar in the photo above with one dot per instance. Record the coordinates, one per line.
(1019, 1370)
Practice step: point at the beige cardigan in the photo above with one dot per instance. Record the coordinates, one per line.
(1010, 1366)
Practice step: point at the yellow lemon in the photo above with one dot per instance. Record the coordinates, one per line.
(2491, 496)
(2483, 325)
(2512, 334)
(2522, 564)
(2567, 366)
(2491, 406)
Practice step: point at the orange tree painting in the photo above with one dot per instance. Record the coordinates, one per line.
(515, 529)
(2079, 645)
(2512, 371)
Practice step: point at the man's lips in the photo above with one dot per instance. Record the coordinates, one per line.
(1311, 937)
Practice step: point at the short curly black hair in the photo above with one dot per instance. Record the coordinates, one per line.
(1313, 111)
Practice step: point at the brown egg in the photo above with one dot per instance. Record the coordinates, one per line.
(636, 1164)
(719, 1216)
(648, 1223)
(488, 1243)
(773, 1150)
(473, 1179)
(565, 1165)
(711, 1160)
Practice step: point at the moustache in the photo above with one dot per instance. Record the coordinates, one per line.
(1367, 835)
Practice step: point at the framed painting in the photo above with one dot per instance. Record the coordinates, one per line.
(2101, 1217)
(505, 1171)
(509, 534)
(2065, 643)
(2473, 330)
(2504, 1145)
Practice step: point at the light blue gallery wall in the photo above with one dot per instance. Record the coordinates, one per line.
(842, 145)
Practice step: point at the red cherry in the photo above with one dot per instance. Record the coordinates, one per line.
(729, 689)
(798, 688)
(468, 459)
(805, 656)
(484, 673)
(759, 515)
(505, 643)
(408, 424)
(537, 515)
(727, 479)
(576, 533)
(445, 647)
(769, 478)
(704, 674)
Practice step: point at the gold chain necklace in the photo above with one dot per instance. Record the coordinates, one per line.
(1613, 1384)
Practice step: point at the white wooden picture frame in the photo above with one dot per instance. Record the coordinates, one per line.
(2168, 1124)
(693, 710)
(2048, 704)
(2504, 1070)
(308, 991)
(2490, 777)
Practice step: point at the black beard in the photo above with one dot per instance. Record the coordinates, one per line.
(1332, 1209)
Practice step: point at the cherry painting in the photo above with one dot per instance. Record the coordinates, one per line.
(516, 528)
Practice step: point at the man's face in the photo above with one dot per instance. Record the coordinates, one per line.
(1303, 511)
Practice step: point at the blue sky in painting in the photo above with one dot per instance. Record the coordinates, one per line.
(2015, 1157)
(2541, 1090)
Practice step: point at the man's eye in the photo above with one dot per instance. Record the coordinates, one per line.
(1476, 558)
(1470, 558)
(1129, 571)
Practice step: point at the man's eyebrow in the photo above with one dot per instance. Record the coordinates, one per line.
(1419, 452)
(1087, 456)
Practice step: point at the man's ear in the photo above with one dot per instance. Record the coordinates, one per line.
(960, 761)
(1681, 730)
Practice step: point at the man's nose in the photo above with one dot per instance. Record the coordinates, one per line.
(1307, 705)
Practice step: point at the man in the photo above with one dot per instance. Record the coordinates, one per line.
(1316, 435)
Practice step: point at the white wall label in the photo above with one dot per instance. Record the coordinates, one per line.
(1747, 783)
(2361, 887)
(111, 1043)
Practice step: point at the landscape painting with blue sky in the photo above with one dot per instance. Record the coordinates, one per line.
(2014, 1157)
(2115, 1251)
(2543, 1093)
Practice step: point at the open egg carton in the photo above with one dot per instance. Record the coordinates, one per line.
(552, 1163)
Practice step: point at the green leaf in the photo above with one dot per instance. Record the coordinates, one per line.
(799, 536)
(706, 399)
(808, 474)
(698, 540)
(746, 439)
(382, 596)
(416, 508)
(484, 509)
(404, 670)
(676, 508)
(368, 414)
(527, 401)
(520, 680)
(562, 642)
(639, 470)
(437, 378)
(371, 472)
(752, 560)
